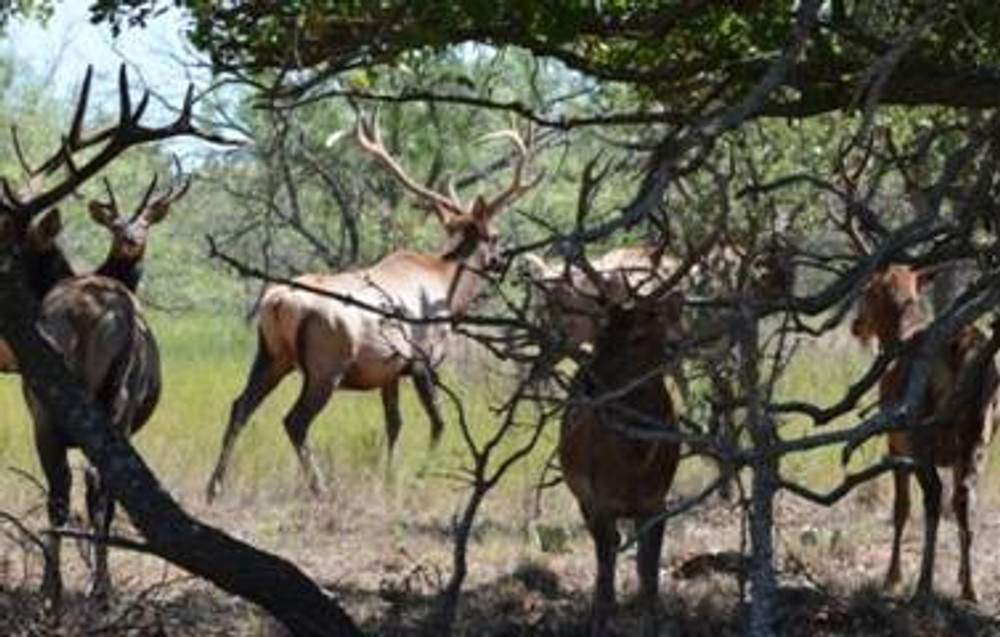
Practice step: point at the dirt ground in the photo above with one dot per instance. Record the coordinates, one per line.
(384, 553)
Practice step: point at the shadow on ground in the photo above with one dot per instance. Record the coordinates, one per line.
(530, 602)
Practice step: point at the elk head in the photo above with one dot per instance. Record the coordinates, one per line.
(130, 234)
(887, 297)
(471, 235)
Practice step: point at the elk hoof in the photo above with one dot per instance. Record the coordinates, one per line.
(969, 594)
(100, 593)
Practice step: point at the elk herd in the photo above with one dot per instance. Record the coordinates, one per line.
(366, 329)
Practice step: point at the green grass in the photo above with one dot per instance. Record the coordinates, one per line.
(206, 359)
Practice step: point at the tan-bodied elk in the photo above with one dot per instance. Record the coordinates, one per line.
(615, 449)
(395, 326)
(890, 312)
(93, 321)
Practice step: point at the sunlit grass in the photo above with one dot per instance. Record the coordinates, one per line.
(206, 359)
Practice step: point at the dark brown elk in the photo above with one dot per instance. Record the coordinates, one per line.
(338, 344)
(613, 471)
(94, 322)
(890, 313)
(46, 264)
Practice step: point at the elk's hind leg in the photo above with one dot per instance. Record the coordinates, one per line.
(265, 374)
(324, 359)
(101, 511)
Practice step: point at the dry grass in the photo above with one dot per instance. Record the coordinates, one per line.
(381, 544)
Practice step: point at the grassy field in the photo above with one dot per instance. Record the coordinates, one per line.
(380, 541)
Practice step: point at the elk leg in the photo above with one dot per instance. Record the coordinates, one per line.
(393, 419)
(930, 484)
(648, 566)
(316, 392)
(423, 380)
(55, 465)
(900, 515)
(264, 377)
(100, 509)
(963, 504)
(604, 531)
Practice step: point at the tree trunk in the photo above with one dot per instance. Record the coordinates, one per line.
(267, 580)
(763, 580)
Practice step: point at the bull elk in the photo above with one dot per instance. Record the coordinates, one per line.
(889, 312)
(93, 321)
(613, 471)
(396, 325)
(46, 264)
(572, 301)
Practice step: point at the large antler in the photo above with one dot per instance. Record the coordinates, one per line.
(517, 186)
(116, 138)
(370, 139)
(150, 209)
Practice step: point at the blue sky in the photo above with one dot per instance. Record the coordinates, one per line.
(60, 50)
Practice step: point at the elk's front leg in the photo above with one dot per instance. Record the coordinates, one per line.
(900, 515)
(648, 565)
(604, 531)
(930, 484)
(963, 503)
(56, 468)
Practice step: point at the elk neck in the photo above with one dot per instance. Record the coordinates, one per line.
(127, 271)
(45, 270)
(465, 264)
(909, 318)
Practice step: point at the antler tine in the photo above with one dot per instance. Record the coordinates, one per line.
(144, 203)
(517, 186)
(124, 99)
(76, 128)
(370, 139)
(19, 151)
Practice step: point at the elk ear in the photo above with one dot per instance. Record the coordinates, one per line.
(480, 211)
(101, 213)
(156, 213)
(50, 224)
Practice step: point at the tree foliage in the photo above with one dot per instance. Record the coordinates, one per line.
(681, 52)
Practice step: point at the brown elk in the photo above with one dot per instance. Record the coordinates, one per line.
(395, 327)
(611, 468)
(890, 312)
(93, 321)
(572, 300)
(46, 264)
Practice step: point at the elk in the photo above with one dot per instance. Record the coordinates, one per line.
(365, 329)
(572, 300)
(613, 471)
(47, 265)
(889, 312)
(93, 321)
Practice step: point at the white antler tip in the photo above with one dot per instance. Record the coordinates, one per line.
(335, 137)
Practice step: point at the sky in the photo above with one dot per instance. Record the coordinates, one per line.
(60, 50)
